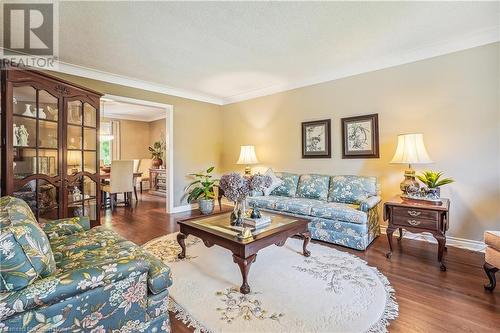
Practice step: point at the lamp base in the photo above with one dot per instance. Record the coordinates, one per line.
(248, 171)
(409, 184)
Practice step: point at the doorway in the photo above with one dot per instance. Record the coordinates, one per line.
(128, 128)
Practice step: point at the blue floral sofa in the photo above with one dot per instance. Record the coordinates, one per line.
(62, 276)
(342, 209)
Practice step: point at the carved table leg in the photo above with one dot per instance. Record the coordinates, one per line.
(244, 265)
(180, 239)
(307, 239)
(490, 272)
(400, 234)
(390, 230)
(441, 245)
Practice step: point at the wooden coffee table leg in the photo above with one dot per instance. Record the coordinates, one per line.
(180, 239)
(307, 238)
(244, 265)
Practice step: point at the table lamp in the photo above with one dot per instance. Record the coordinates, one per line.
(74, 160)
(247, 157)
(410, 150)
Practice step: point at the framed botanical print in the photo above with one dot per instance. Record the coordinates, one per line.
(360, 137)
(316, 139)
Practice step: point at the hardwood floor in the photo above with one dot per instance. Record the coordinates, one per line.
(429, 300)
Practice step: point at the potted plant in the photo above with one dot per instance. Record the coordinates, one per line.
(433, 182)
(157, 151)
(202, 190)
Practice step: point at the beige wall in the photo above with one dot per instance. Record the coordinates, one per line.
(452, 99)
(157, 129)
(192, 151)
(134, 138)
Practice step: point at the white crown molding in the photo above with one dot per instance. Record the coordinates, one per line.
(468, 244)
(134, 118)
(66, 68)
(474, 39)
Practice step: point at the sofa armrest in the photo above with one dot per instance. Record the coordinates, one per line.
(370, 202)
(67, 226)
(58, 287)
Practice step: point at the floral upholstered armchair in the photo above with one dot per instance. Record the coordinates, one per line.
(64, 276)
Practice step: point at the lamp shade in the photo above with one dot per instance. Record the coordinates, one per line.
(247, 155)
(411, 150)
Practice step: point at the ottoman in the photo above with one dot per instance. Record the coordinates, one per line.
(492, 257)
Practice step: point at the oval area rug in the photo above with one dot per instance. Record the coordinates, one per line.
(331, 291)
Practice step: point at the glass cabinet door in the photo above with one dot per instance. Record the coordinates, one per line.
(35, 142)
(81, 159)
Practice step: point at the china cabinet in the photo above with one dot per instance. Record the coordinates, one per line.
(49, 152)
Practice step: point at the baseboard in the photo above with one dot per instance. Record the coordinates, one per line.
(185, 208)
(462, 243)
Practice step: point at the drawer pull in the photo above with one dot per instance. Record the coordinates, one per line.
(414, 213)
(413, 222)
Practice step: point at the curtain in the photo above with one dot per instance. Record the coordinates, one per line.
(116, 146)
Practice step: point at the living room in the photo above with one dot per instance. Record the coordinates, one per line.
(328, 167)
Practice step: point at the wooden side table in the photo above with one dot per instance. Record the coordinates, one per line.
(417, 216)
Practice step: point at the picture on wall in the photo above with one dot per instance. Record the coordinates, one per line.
(316, 139)
(360, 137)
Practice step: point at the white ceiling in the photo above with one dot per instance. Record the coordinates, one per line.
(130, 111)
(229, 51)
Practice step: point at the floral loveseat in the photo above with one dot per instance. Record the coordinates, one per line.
(62, 276)
(342, 209)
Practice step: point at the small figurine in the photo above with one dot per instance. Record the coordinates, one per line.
(52, 112)
(255, 213)
(22, 136)
(16, 134)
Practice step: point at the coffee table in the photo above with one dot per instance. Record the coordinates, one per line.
(216, 230)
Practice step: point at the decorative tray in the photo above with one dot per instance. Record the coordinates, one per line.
(422, 199)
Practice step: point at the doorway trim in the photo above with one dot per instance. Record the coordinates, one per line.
(169, 140)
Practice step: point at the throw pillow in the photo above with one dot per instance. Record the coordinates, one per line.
(289, 186)
(16, 218)
(275, 181)
(313, 187)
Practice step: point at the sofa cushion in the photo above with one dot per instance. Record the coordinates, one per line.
(289, 186)
(313, 187)
(17, 219)
(266, 202)
(105, 248)
(351, 189)
(300, 206)
(340, 212)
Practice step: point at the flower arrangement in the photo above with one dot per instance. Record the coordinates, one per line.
(236, 189)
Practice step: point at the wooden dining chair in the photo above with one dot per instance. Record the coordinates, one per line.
(121, 180)
(144, 167)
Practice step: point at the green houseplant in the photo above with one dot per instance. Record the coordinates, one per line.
(202, 190)
(157, 151)
(433, 181)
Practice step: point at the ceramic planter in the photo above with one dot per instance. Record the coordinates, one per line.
(206, 206)
(156, 162)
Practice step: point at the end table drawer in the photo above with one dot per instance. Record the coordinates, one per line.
(415, 222)
(415, 213)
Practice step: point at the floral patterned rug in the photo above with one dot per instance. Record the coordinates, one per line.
(331, 291)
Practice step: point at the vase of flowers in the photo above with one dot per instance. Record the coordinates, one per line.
(236, 189)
